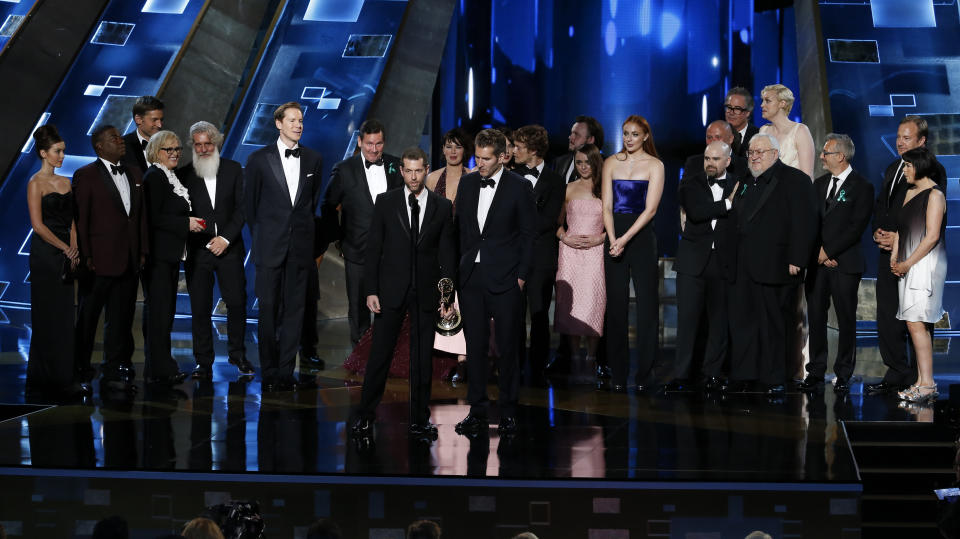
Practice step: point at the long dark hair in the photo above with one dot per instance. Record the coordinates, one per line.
(595, 160)
(648, 145)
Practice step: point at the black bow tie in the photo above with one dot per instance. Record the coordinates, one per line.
(377, 163)
(117, 170)
(143, 145)
(295, 152)
(524, 171)
(722, 182)
(487, 182)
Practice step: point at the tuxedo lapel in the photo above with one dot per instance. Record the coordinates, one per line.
(428, 214)
(498, 198)
(301, 184)
(767, 191)
(273, 159)
(360, 175)
(402, 215)
(112, 187)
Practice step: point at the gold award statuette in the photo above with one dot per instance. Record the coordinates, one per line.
(451, 326)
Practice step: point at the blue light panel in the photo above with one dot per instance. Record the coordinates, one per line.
(903, 14)
(333, 10)
(173, 7)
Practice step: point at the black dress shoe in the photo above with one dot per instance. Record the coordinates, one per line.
(363, 426)
(116, 385)
(810, 383)
(713, 383)
(202, 372)
(841, 385)
(423, 430)
(244, 366)
(171, 380)
(312, 361)
(677, 384)
(881, 388)
(508, 425)
(776, 390)
(471, 425)
(618, 388)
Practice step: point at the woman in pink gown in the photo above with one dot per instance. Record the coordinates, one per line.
(581, 286)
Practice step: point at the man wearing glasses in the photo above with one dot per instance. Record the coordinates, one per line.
(738, 107)
(775, 225)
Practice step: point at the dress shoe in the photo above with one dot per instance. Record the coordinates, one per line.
(508, 425)
(618, 388)
(471, 425)
(713, 383)
(776, 390)
(675, 385)
(312, 361)
(423, 430)
(459, 375)
(604, 372)
(736, 386)
(363, 426)
(202, 372)
(841, 385)
(244, 366)
(810, 383)
(116, 385)
(171, 380)
(882, 387)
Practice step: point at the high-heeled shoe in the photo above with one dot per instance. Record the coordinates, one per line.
(902, 394)
(922, 398)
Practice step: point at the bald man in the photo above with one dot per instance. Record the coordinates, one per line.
(722, 132)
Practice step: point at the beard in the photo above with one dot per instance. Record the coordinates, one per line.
(757, 172)
(207, 167)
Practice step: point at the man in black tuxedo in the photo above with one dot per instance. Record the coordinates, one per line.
(775, 226)
(282, 190)
(531, 143)
(112, 236)
(738, 107)
(718, 131)
(892, 332)
(354, 185)
(410, 247)
(496, 222)
(845, 202)
(585, 130)
(148, 117)
(216, 193)
(702, 272)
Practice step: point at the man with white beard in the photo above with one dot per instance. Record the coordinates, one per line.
(216, 190)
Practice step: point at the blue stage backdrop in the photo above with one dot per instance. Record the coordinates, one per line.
(12, 14)
(516, 62)
(887, 59)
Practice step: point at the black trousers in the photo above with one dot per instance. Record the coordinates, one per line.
(358, 315)
(477, 306)
(161, 299)
(386, 330)
(118, 294)
(201, 269)
(309, 337)
(538, 293)
(639, 264)
(702, 297)
(281, 291)
(822, 285)
(758, 322)
(892, 332)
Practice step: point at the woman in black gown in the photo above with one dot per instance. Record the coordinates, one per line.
(51, 370)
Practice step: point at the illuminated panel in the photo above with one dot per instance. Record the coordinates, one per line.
(333, 10)
(261, 129)
(318, 94)
(10, 25)
(113, 33)
(366, 46)
(113, 82)
(115, 111)
(174, 7)
(854, 51)
(903, 14)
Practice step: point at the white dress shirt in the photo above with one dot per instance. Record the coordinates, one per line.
(122, 183)
(531, 177)
(376, 178)
(840, 179)
(211, 184)
(717, 193)
(291, 169)
(483, 204)
(896, 178)
(421, 199)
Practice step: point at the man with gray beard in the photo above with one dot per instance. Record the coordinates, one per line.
(216, 190)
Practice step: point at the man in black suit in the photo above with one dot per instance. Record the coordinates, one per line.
(892, 332)
(496, 221)
(702, 272)
(282, 190)
(775, 227)
(216, 193)
(148, 117)
(410, 247)
(718, 131)
(354, 185)
(549, 190)
(112, 236)
(585, 130)
(738, 107)
(845, 202)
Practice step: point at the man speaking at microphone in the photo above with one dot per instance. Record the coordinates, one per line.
(410, 248)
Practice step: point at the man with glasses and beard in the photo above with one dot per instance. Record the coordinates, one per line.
(216, 190)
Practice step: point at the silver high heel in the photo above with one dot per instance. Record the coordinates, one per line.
(922, 398)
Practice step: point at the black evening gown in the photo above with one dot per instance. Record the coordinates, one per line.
(51, 363)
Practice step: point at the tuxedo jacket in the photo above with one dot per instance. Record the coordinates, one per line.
(348, 189)
(699, 238)
(887, 208)
(114, 240)
(168, 215)
(549, 195)
(387, 270)
(225, 218)
(780, 229)
(741, 149)
(561, 164)
(134, 157)
(506, 242)
(281, 231)
(738, 166)
(843, 220)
